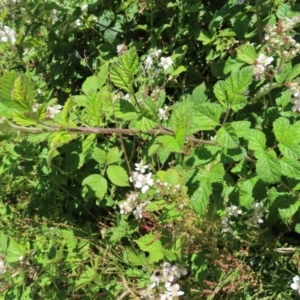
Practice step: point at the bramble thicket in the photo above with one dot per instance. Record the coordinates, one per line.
(149, 149)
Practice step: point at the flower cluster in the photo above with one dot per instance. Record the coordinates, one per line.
(163, 113)
(261, 64)
(232, 211)
(131, 205)
(279, 40)
(7, 35)
(167, 187)
(296, 284)
(257, 216)
(51, 111)
(294, 87)
(166, 276)
(139, 179)
(153, 56)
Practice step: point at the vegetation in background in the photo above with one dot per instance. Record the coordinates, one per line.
(149, 149)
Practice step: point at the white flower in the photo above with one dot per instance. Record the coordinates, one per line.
(178, 271)
(53, 110)
(225, 224)
(2, 267)
(233, 210)
(125, 208)
(127, 97)
(138, 212)
(173, 290)
(148, 62)
(141, 167)
(121, 49)
(163, 113)
(296, 284)
(165, 62)
(134, 176)
(296, 102)
(7, 34)
(144, 182)
(263, 60)
(78, 22)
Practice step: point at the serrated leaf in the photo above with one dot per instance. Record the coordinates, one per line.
(178, 71)
(169, 142)
(122, 73)
(134, 258)
(94, 109)
(257, 140)
(281, 127)
(125, 110)
(290, 167)
(117, 175)
(99, 155)
(297, 228)
(247, 54)
(15, 251)
(149, 243)
(146, 120)
(293, 73)
(284, 99)
(58, 139)
(7, 85)
(92, 84)
(170, 176)
(206, 116)
(268, 168)
(241, 128)
(227, 138)
(284, 72)
(200, 198)
(66, 110)
(21, 119)
(97, 183)
(267, 88)
(289, 149)
(220, 93)
(286, 214)
(232, 64)
(113, 155)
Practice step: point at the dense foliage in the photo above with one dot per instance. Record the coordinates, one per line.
(149, 149)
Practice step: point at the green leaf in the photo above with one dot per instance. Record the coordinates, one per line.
(178, 71)
(88, 145)
(284, 72)
(146, 120)
(281, 127)
(241, 128)
(293, 73)
(7, 85)
(21, 119)
(170, 176)
(220, 93)
(134, 258)
(15, 251)
(200, 198)
(124, 110)
(97, 183)
(94, 109)
(232, 64)
(257, 140)
(66, 110)
(206, 116)
(286, 214)
(117, 175)
(227, 138)
(99, 155)
(297, 228)
(113, 155)
(92, 84)
(199, 94)
(169, 142)
(58, 139)
(247, 54)
(284, 99)
(289, 149)
(266, 89)
(205, 37)
(149, 243)
(290, 167)
(122, 73)
(268, 167)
